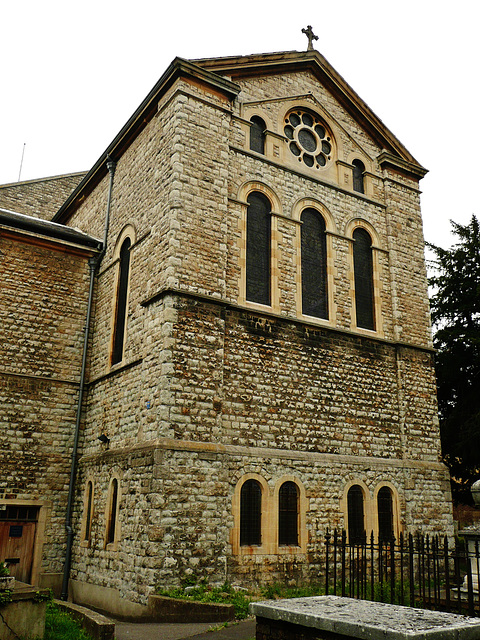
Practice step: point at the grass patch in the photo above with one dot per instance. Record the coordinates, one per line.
(59, 625)
(225, 594)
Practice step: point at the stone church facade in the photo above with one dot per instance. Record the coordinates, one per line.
(260, 363)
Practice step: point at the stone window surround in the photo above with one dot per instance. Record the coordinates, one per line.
(370, 508)
(113, 546)
(275, 207)
(270, 498)
(84, 540)
(300, 206)
(360, 223)
(127, 232)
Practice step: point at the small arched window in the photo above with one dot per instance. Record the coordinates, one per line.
(363, 275)
(121, 305)
(251, 514)
(257, 134)
(288, 514)
(314, 264)
(385, 514)
(258, 249)
(112, 511)
(87, 532)
(358, 173)
(356, 518)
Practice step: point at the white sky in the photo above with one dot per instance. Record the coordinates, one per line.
(73, 73)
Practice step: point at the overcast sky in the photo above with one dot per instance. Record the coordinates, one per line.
(73, 73)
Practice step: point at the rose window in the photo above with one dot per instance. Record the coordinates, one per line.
(308, 139)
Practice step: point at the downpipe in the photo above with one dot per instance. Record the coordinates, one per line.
(93, 263)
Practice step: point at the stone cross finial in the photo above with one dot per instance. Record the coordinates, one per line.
(311, 36)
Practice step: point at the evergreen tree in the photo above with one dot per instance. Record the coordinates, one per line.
(455, 304)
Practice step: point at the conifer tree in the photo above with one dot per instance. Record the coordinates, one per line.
(455, 305)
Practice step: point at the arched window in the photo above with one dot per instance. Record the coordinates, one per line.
(356, 519)
(363, 273)
(258, 249)
(112, 511)
(257, 134)
(251, 513)
(385, 514)
(358, 171)
(121, 306)
(288, 514)
(314, 264)
(88, 512)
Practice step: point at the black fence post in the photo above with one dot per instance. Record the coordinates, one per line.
(327, 558)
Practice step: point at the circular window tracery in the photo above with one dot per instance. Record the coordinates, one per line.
(308, 138)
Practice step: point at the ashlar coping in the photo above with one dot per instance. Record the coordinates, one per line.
(369, 620)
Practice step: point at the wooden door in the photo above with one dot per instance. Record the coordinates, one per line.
(17, 539)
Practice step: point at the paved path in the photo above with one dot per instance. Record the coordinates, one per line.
(243, 630)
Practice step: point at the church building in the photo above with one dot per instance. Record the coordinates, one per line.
(216, 342)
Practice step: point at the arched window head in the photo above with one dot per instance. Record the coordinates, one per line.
(363, 275)
(385, 514)
(258, 249)
(112, 512)
(121, 302)
(314, 264)
(251, 513)
(257, 134)
(358, 178)
(356, 518)
(288, 514)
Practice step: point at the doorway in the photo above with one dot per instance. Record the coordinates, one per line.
(18, 526)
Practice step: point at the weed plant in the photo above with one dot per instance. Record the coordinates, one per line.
(59, 625)
(202, 592)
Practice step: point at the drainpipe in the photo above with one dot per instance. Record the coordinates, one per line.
(93, 263)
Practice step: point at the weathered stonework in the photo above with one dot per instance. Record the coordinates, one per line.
(212, 389)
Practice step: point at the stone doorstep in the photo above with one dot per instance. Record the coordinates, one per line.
(367, 620)
(95, 624)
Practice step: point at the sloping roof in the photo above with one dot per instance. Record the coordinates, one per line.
(220, 74)
(51, 230)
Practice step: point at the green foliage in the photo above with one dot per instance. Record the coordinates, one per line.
(4, 571)
(225, 594)
(59, 625)
(45, 596)
(277, 591)
(5, 597)
(455, 304)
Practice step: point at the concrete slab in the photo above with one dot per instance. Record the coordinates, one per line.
(367, 620)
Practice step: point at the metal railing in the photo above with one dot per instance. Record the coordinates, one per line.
(417, 570)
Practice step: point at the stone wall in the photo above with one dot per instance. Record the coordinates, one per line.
(44, 300)
(40, 198)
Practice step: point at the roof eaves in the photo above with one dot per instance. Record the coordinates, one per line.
(48, 229)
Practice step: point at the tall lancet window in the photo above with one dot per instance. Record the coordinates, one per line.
(314, 264)
(257, 134)
(258, 249)
(121, 306)
(363, 272)
(358, 171)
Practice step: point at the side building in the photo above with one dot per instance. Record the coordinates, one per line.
(44, 294)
